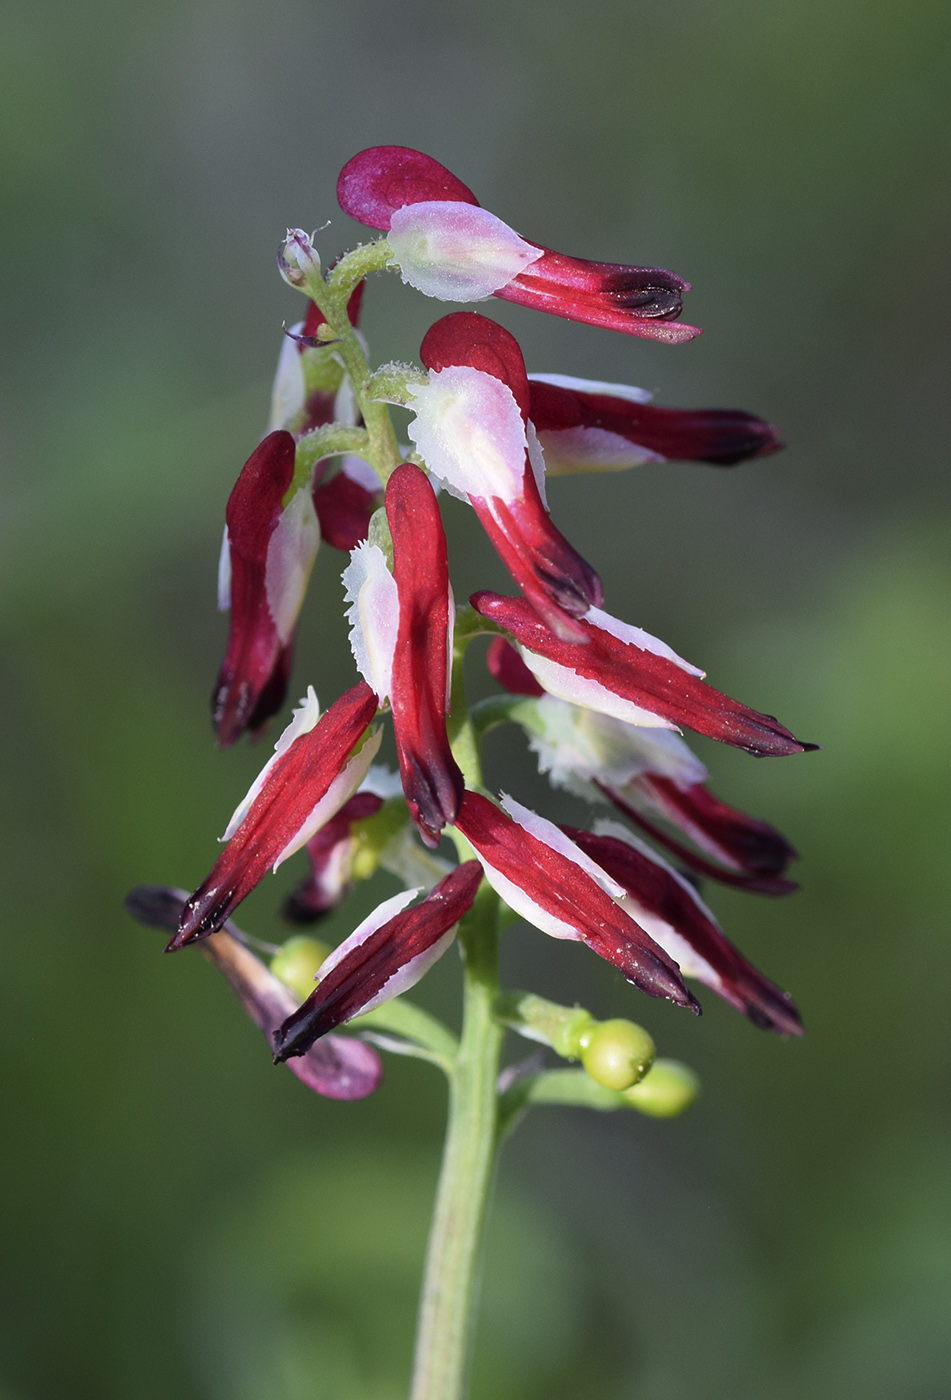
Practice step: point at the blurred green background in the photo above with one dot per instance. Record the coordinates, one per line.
(181, 1220)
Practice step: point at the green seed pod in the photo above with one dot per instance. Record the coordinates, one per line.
(617, 1053)
(298, 962)
(667, 1090)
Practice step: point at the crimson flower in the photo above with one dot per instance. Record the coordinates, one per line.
(472, 430)
(447, 246)
(330, 852)
(645, 773)
(384, 956)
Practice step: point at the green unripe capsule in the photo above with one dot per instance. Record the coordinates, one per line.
(667, 1090)
(617, 1053)
(298, 962)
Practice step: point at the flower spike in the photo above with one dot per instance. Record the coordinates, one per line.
(338, 1068)
(587, 426)
(446, 245)
(385, 956)
(677, 919)
(552, 884)
(267, 557)
(316, 767)
(622, 671)
(472, 430)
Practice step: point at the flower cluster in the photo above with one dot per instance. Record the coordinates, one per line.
(601, 701)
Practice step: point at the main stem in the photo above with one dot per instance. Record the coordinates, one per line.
(450, 1288)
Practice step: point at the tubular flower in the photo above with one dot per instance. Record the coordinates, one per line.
(472, 430)
(587, 426)
(401, 638)
(447, 246)
(386, 955)
(677, 919)
(317, 766)
(623, 671)
(599, 757)
(330, 851)
(338, 1068)
(267, 557)
(548, 880)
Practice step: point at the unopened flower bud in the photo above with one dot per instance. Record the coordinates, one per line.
(298, 963)
(617, 1053)
(665, 1091)
(298, 259)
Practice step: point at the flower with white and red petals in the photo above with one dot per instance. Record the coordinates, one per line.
(584, 425)
(385, 956)
(330, 852)
(267, 556)
(447, 246)
(472, 430)
(319, 762)
(345, 502)
(671, 911)
(623, 671)
(401, 635)
(338, 1068)
(644, 770)
(547, 879)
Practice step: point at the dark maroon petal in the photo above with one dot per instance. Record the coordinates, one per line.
(717, 435)
(645, 679)
(739, 840)
(331, 856)
(658, 892)
(344, 508)
(339, 1068)
(299, 779)
(382, 179)
(566, 892)
(509, 669)
(751, 882)
(466, 338)
(252, 682)
(640, 301)
(431, 778)
(363, 973)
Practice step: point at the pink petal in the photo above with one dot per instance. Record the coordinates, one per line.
(378, 181)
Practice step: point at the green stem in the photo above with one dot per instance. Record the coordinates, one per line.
(447, 1306)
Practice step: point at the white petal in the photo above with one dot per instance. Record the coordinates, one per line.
(637, 637)
(291, 552)
(346, 408)
(303, 721)
(594, 386)
(469, 432)
(341, 789)
(289, 393)
(361, 472)
(456, 251)
(569, 451)
(574, 743)
(382, 782)
(537, 461)
(224, 573)
(568, 685)
(544, 830)
(374, 616)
